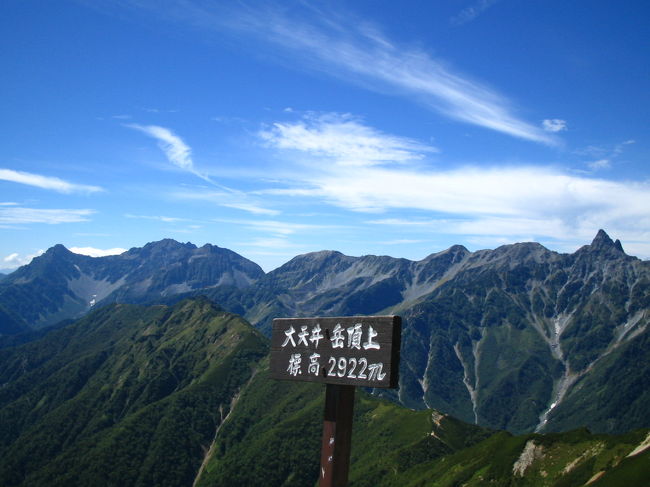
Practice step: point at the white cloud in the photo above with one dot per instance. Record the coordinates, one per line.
(46, 182)
(554, 125)
(600, 164)
(602, 157)
(237, 200)
(16, 260)
(277, 228)
(93, 252)
(175, 149)
(403, 222)
(470, 13)
(345, 139)
(365, 56)
(19, 215)
(269, 243)
(158, 110)
(489, 191)
(356, 52)
(251, 208)
(495, 202)
(165, 219)
(532, 192)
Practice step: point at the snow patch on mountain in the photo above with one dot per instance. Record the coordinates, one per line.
(91, 289)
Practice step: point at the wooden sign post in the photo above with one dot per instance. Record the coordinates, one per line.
(343, 353)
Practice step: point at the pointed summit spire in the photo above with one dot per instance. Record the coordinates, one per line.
(602, 241)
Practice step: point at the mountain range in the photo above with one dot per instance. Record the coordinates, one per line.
(60, 284)
(519, 338)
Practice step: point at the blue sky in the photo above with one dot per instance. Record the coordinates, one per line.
(279, 128)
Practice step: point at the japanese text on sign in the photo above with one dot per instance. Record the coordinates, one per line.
(350, 337)
(351, 350)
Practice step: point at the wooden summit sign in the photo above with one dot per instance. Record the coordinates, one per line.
(342, 353)
(356, 351)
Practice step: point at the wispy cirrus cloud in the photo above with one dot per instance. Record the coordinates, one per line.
(355, 51)
(474, 190)
(345, 139)
(554, 125)
(175, 149)
(180, 155)
(229, 199)
(602, 157)
(471, 12)
(160, 218)
(17, 215)
(600, 164)
(270, 243)
(46, 182)
(277, 227)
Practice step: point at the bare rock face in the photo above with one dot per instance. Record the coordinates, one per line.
(529, 454)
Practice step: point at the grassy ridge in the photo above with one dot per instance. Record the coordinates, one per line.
(273, 438)
(129, 395)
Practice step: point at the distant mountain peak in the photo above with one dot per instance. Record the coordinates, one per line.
(166, 243)
(602, 241)
(323, 254)
(58, 249)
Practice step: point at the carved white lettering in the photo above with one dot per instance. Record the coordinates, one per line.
(289, 333)
(314, 364)
(337, 336)
(316, 335)
(370, 344)
(354, 336)
(294, 364)
(302, 336)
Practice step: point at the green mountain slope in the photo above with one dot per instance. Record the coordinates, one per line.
(180, 395)
(272, 438)
(128, 395)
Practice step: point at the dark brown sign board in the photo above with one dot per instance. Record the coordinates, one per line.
(353, 350)
(342, 353)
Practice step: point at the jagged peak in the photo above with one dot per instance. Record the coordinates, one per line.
(58, 249)
(602, 241)
(210, 247)
(164, 245)
(169, 243)
(619, 245)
